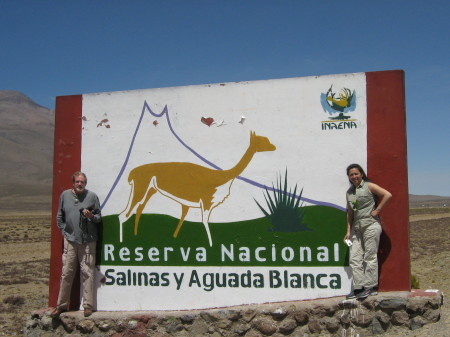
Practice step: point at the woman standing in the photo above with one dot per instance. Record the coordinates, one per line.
(365, 200)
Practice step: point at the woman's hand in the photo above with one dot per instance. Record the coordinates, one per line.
(347, 236)
(375, 213)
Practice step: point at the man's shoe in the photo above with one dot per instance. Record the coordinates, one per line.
(87, 312)
(56, 312)
(367, 292)
(354, 293)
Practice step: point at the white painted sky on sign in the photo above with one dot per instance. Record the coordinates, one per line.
(288, 112)
(63, 48)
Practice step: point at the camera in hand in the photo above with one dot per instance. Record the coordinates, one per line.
(91, 209)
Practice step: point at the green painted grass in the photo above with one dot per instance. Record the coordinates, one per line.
(327, 226)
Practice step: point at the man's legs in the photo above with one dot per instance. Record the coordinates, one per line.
(70, 265)
(87, 265)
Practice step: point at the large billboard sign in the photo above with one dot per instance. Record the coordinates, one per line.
(233, 193)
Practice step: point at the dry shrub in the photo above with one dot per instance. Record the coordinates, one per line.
(14, 300)
(415, 284)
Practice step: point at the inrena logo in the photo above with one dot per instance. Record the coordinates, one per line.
(338, 105)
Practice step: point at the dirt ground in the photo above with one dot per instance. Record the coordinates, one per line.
(25, 258)
(24, 268)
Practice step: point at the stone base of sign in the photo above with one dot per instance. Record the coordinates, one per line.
(333, 316)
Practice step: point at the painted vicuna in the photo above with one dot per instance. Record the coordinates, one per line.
(188, 184)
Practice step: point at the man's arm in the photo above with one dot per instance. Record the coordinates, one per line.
(97, 214)
(94, 215)
(60, 217)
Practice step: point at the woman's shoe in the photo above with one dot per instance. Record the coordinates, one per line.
(354, 293)
(367, 292)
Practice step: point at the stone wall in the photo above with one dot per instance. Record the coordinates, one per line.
(375, 315)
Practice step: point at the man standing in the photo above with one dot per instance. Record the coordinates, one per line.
(78, 217)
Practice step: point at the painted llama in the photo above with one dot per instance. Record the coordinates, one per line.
(188, 184)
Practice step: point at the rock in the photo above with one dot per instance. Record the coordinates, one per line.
(105, 325)
(436, 302)
(419, 304)
(174, 326)
(279, 314)
(301, 332)
(319, 311)
(345, 318)
(331, 324)
(322, 310)
(314, 327)
(393, 304)
(384, 319)
(249, 315)
(224, 324)
(301, 317)
(377, 328)
(187, 319)
(287, 326)
(400, 318)
(348, 304)
(121, 326)
(159, 334)
(416, 305)
(199, 327)
(417, 323)
(86, 326)
(145, 318)
(362, 317)
(432, 315)
(48, 323)
(232, 315)
(253, 333)
(32, 323)
(265, 325)
(208, 316)
(132, 324)
(370, 302)
(332, 309)
(241, 329)
(142, 318)
(68, 323)
(350, 331)
(304, 319)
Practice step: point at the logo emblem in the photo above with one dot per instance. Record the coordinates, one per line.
(338, 105)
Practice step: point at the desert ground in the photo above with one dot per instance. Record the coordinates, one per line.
(25, 258)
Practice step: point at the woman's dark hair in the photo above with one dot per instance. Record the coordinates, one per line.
(364, 177)
(360, 169)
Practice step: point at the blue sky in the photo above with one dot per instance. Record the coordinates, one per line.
(56, 48)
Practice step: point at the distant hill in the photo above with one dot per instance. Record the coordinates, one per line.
(418, 201)
(26, 152)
